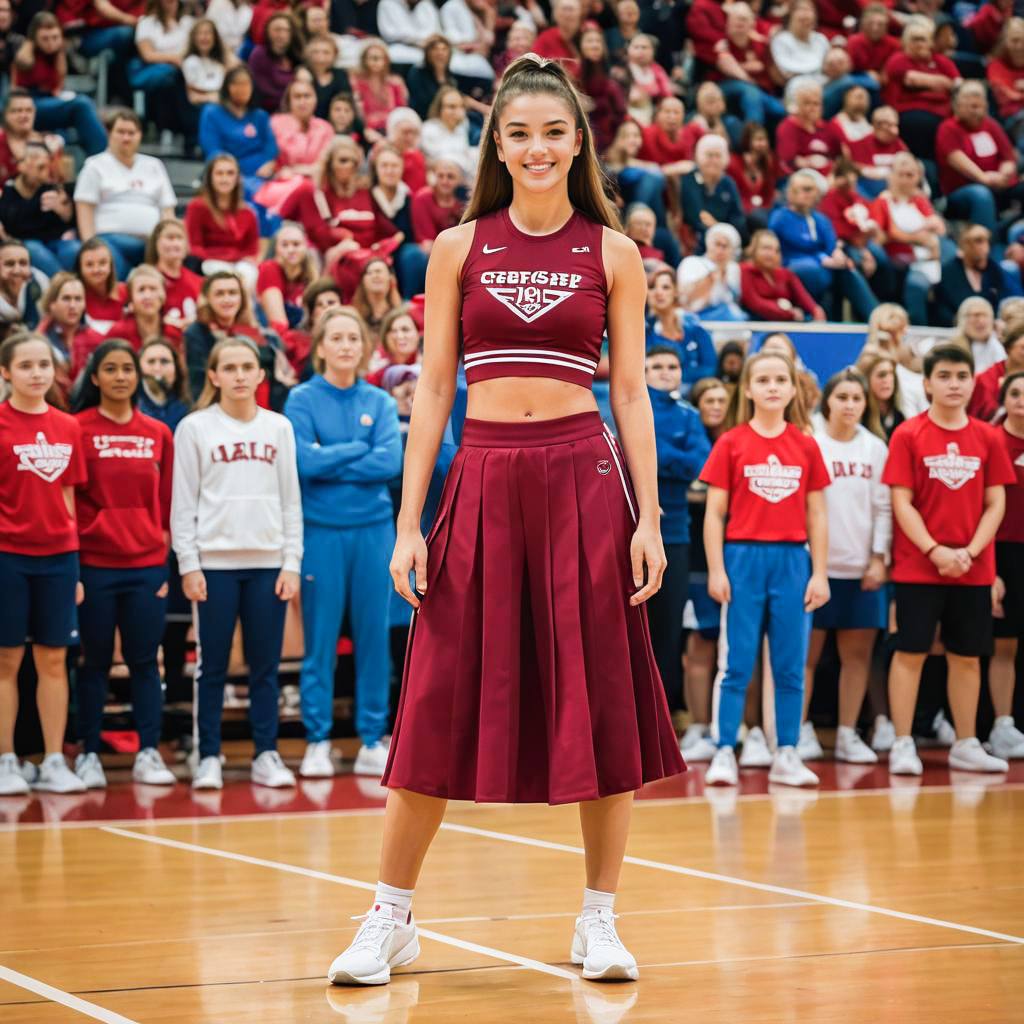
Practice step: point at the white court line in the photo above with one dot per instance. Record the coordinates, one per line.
(711, 876)
(323, 876)
(57, 995)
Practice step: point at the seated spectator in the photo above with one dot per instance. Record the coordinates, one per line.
(40, 67)
(233, 19)
(223, 233)
(163, 391)
(984, 27)
(665, 142)
(404, 128)
(709, 118)
(646, 75)
(520, 39)
(874, 154)
(273, 62)
(852, 122)
(705, 26)
(768, 290)
(873, 45)
(976, 332)
(668, 325)
(399, 344)
(207, 60)
(640, 224)
(984, 401)
(166, 250)
(321, 55)
(708, 195)
(404, 25)
(62, 308)
(446, 132)
(1005, 74)
(424, 80)
(437, 207)
(320, 296)
(840, 78)
(744, 64)
(887, 334)
(919, 84)
(709, 285)
(105, 25)
(798, 51)
(977, 162)
(755, 170)
(393, 198)
(627, 25)
(105, 295)
(376, 294)
(377, 91)
(343, 118)
(639, 181)
(599, 89)
(804, 139)
(121, 193)
(972, 272)
(879, 371)
(471, 31)
(38, 211)
(19, 114)
(284, 276)
(21, 287)
(561, 41)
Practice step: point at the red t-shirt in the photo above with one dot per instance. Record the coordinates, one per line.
(869, 152)
(124, 506)
(768, 479)
(429, 218)
(903, 97)
(182, 295)
(660, 149)
(125, 330)
(755, 193)
(947, 472)
(984, 403)
(272, 276)
(987, 145)
(1005, 81)
(550, 43)
(1012, 527)
(235, 237)
(754, 50)
(705, 25)
(792, 139)
(869, 56)
(102, 311)
(40, 454)
(42, 77)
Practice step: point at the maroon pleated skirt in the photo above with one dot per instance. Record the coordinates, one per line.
(529, 678)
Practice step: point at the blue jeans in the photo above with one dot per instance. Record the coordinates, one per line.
(150, 76)
(51, 257)
(755, 105)
(128, 251)
(974, 203)
(828, 287)
(124, 599)
(411, 269)
(53, 114)
(916, 289)
(118, 38)
(638, 185)
(835, 91)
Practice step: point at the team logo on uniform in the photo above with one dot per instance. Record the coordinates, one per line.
(530, 293)
(952, 468)
(46, 460)
(604, 467)
(366, 420)
(772, 480)
(123, 446)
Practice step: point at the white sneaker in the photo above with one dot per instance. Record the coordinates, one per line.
(945, 734)
(696, 745)
(970, 756)
(269, 770)
(756, 752)
(380, 944)
(89, 769)
(903, 759)
(11, 781)
(789, 770)
(851, 748)
(597, 946)
(722, 771)
(208, 774)
(808, 746)
(149, 768)
(1006, 740)
(316, 762)
(56, 777)
(883, 736)
(371, 760)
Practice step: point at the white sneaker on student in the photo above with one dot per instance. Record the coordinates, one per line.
(970, 756)
(149, 768)
(696, 745)
(903, 759)
(883, 736)
(90, 770)
(945, 734)
(269, 770)
(208, 774)
(789, 770)
(1006, 740)
(808, 746)
(380, 944)
(852, 749)
(756, 752)
(56, 777)
(723, 771)
(316, 762)
(11, 781)
(371, 760)
(597, 946)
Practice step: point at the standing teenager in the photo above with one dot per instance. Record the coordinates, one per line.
(529, 674)
(236, 527)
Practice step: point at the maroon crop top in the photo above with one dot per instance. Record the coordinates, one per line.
(534, 305)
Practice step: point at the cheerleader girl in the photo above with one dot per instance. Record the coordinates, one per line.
(41, 462)
(529, 674)
(236, 527)
(859, 541)
(767, 477)
(123, 521)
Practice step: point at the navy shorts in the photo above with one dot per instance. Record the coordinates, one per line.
(701, 612)
(39, 599)
(850, 607)
(1010, 569)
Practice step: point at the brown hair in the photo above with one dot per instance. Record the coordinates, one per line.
(321, 329)
(294, 51)
(360, 302)
(322, 176)
(434, 110)
(388, 322)
(54, 396)
(98, 243)
(321, 286)
(180, 388)
(870, 418)
(364, 71)
(150, 255)
(211, 394)
(53, 289)
(205, 315)
(145, 270)
(867, 363)
(741, 408)
(207, 194)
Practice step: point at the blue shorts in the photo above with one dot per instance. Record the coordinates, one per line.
(850, 607)
(39, 599)
(701, 612)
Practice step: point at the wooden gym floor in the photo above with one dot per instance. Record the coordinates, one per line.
(862, 903)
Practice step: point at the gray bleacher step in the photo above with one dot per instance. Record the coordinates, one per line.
(84, 85)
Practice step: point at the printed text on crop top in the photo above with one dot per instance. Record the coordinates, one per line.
(534, 305)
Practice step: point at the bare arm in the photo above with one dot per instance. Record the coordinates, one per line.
(962, 163)
(817, 592)
(715, 509)
(945, 559)
(995, 507)
(86, 220)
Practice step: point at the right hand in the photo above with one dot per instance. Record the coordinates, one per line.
(949, 561)
(193, 585)
(410, 555)
(719, 587)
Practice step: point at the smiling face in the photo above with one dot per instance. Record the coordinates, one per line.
(403, 338)
(172, 246)
(663, 372)
(224, 177)
(771, 386)
(31, 370)
(15, 268)
(537, 141)
(115, 376)
(341, 347)
(204, 37)
(95, 268)
(290, 246)
(663, 292)
(237, 373)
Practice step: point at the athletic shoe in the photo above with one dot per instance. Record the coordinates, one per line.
(149, 768)
(29, 771)
(316, 762)
(808, 746)
(11, 782)
(969, 756)
(90, 770)
(56, 777)
(789, 770)
(756, 752)
(269, 770)
(903, 759)
(207, 774)
(1005, 740)
(722, 771)
(945, 734)
(597, 946)
(371, 760)
(883, 736)
(380, 944)
(697, 747)
(851, 748)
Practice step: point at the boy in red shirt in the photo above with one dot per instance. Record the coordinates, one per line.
(947, 473)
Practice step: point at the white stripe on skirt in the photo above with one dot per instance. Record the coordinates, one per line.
(618, 465)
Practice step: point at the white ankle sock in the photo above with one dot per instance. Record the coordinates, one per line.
(399, 900)
(594, 900)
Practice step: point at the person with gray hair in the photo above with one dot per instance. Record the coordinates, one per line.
(709, 196)
(804, 139)
(710, 284)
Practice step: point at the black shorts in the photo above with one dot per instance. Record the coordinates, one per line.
(965, 613)
(1010, 568)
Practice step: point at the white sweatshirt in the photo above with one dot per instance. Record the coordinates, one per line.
(858, 503)
(236, 502)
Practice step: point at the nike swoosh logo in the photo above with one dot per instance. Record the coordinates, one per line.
(487, 252)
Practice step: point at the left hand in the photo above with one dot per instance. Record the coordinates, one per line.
(646, 550)
(875, 576)
(287, 585)
(817, 592)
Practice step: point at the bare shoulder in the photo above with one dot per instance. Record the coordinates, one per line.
(450, 249)
(622, 260)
